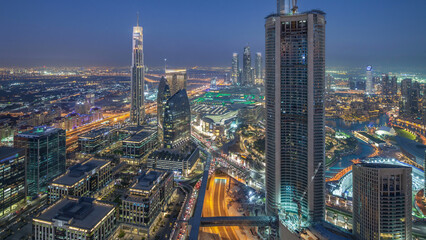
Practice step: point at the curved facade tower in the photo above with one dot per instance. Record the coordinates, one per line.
(295, 142)
(137, 109)
(162, 96)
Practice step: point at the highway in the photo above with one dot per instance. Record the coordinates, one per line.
(215, 206)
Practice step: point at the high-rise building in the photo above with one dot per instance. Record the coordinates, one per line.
(162, 96)
(247, 68)
(386, 85)
(235, 69)
(45, 156)
(12, 179)
(177, 120)
(137, 108)
(76, 218)
(329, 83)
(415, 97)
(177, 79)
(382, 201)
(294, 85)
(394, 86)
(369, 88)
(259, 66)
(406, 88)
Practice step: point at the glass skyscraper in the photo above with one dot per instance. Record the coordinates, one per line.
(247, 69)
(45, 156)
(162, 96)
(177, 120)
(294, 84)
(177, 79)
(235, 69)
(12, 179)
(137, 109)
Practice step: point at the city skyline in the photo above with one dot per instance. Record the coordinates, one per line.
(76, 43)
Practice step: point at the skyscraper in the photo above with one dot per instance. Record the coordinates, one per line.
(294, 84)
(45, 156)
(162, 96)
(259, 66)
(394, 86)
(382, 201)
(137, 110)
(386, 85)
(235, 69)
(177, 120)
(369, 81)
(406, 89)
(247, 72)
(177, 79)
(12, 179)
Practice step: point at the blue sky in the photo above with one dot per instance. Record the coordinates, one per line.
(201, 32)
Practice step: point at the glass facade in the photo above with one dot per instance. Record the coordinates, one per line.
(294, 80)
(137, 109)
(12, 179)
(177, 120)
(162, 96)
(46, 154)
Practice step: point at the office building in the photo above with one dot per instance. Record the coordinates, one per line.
(177, 79)
(137, 147)
(386, 85)
(177, 120)
(148, 196)
(258, 69)
(45, 156)
(294, 85)
(247, 68)
(81, 180)
(180, 161)
(235, 69)
(76, 219)
(12, 179)
(97, 139)
(394, 86)
(137, 108)
(382, 201)
(369, 86)
(162, 96)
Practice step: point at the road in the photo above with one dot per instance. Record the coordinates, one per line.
(215, 206)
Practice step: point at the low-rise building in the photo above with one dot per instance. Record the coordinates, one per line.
(147, 198)
(76, 218)
(137, 147)
(81, 180)
(96, 140)
(181, 163)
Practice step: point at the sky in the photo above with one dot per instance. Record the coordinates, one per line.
(201, 32)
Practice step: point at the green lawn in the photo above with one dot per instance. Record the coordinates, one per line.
(402, 133)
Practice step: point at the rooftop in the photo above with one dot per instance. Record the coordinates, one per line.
(97, 132)
(147, 180)
(78, 172)
(7, 153)
(40, 132)
(380, 165)
(85, 213)
(138, 137)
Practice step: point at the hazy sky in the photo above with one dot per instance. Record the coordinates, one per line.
(201, 32)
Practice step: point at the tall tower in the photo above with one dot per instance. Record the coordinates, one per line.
(295, 142)
(235, 68)
(177, 79)
(247, 72)
(162, 96)
(137, 109)
(369, 81)
(258, 67)
(382, 201)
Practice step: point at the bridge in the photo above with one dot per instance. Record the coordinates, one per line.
(260, 221)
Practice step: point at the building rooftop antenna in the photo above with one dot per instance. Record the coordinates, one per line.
(137, 17)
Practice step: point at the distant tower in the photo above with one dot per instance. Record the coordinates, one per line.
(137, 109)
(162, 96)
(258, 68)
(295, 138)
(382, 201)
(247, 72)
(177, 79)
(235, 69)
(369, 81)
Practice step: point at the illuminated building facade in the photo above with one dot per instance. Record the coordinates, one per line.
(162, 96)
(96, 140)
(177, 120)
(382, 201)
(45, 156)
(177, 79)
(137, 108)
(295, 138)
(138, 146)
(81, 180)
(145, 201)
(369, 88)
(235, 69)
(258, 69)
(247, 78)
(12, 179)
(182, 161)
(76, 219)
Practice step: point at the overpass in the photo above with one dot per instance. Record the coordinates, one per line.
(259, 221)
